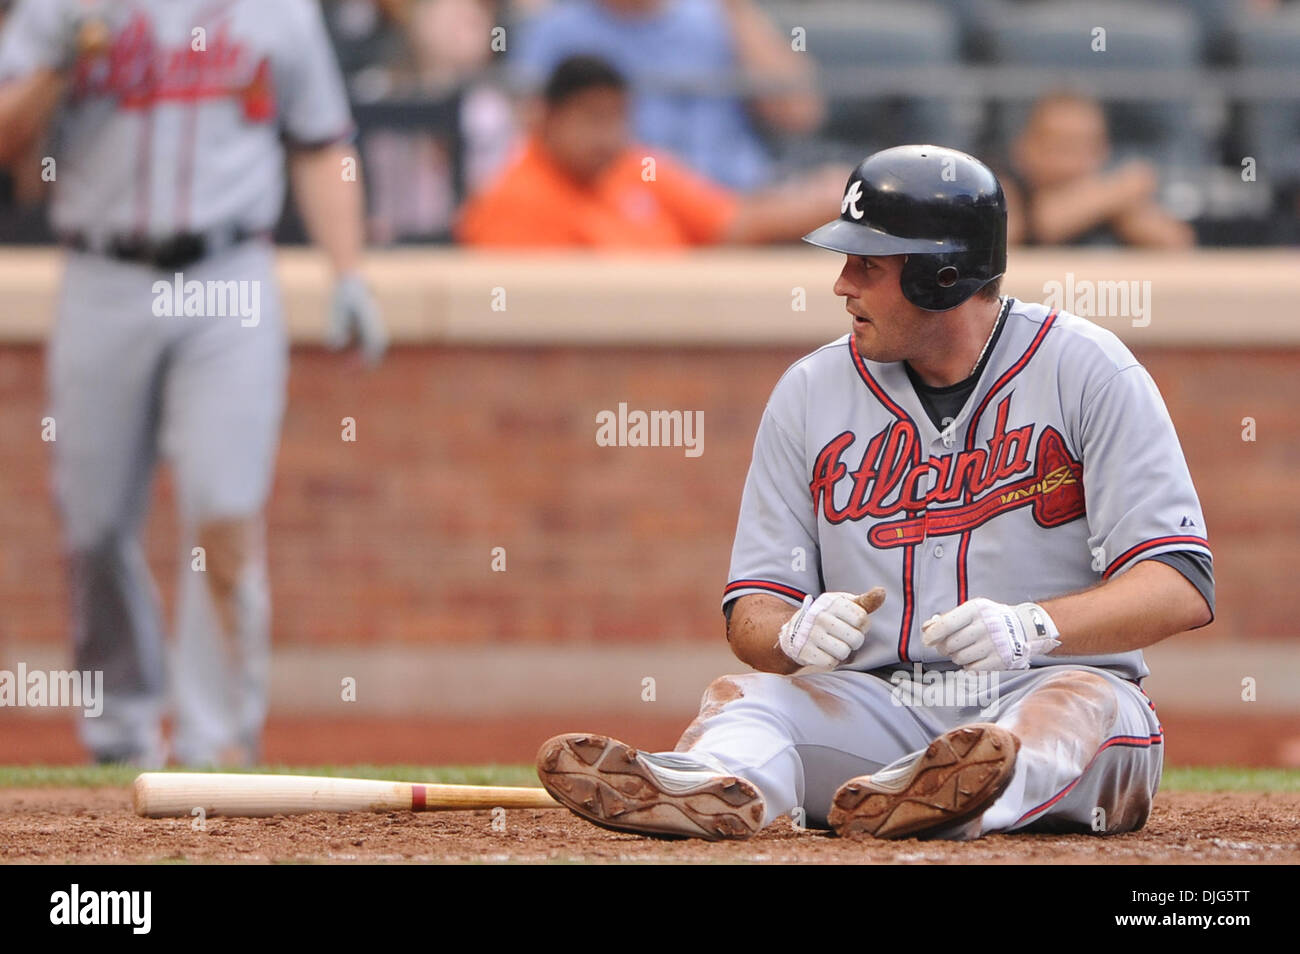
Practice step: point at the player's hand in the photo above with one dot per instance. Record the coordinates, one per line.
(83, 32)
(827, 630)
(982, 634)
(354, 315)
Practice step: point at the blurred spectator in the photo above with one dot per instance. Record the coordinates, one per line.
(581, 181)
(22, 190)
(1060, 193)
(683, 58)
(447, 54)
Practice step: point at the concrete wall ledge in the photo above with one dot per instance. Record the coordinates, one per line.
(1205, 298)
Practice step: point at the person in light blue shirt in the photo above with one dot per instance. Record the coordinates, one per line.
(688, 61)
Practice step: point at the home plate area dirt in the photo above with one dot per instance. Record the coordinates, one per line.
(96, 825)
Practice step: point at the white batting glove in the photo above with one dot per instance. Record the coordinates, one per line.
(827, 630)
(354, 314)
(982, 634)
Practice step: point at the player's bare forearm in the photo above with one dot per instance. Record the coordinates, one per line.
(26, 105)
(1060, 213)
(330, 203)
(1149, 226)
(1130, 611)
(785, 212)
(756, 621)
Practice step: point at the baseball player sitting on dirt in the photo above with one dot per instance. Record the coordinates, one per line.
(962, 523)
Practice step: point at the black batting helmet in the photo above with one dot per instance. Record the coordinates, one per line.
(941, 208)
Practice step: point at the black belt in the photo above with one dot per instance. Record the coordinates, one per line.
(174, 251)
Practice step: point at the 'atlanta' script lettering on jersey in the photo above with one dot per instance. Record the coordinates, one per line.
(140, 71)
(887, 480)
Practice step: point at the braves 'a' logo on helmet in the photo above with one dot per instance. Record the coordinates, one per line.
(852, 196)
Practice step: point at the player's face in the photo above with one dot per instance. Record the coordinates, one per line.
(886, 326)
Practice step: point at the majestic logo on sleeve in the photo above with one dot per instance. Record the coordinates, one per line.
(977, 484)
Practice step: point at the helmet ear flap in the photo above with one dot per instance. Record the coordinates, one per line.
(937, 282)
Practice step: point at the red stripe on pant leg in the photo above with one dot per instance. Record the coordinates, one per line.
(418, 797)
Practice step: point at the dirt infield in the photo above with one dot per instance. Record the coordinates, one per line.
(97, 826)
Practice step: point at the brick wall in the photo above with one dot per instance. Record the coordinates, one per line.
(460, 450)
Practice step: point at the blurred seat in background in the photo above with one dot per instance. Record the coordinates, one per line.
(411, 180)
(1150, 115)
(366, 34)
(1059, 191)
(1217, 20)
(1271, 125)
(844, 40)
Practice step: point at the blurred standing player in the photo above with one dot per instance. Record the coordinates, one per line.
(172, 121)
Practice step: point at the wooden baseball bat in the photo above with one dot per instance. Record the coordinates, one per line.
(168, 794)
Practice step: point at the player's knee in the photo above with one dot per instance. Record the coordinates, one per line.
(230, 546)
(722, 690)
(1086, 695)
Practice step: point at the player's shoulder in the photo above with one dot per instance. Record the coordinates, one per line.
(818, 368)
(1073, 340)
(815, 364)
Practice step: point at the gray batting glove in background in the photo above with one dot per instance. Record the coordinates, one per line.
(82, 31)
(355, 316)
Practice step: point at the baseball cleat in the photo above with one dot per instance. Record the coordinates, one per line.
(615, 786)
(952, 780)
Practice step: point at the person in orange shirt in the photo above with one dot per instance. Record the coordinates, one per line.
(581, 182)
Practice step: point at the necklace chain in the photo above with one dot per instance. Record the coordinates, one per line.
(989, 339)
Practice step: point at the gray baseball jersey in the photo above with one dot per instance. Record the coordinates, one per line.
(178, 125)
(1062, 469)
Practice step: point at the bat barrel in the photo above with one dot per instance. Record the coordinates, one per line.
(171, 794)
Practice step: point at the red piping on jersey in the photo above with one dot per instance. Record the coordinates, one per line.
(876, 389)
(1152, 706)
(1125, 741)
(963, 548)
(764, 585)
(909, 552)
(1149, 545)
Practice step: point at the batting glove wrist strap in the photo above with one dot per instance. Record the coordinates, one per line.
(982, 634)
